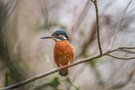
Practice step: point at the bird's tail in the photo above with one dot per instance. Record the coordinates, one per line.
(63, 72)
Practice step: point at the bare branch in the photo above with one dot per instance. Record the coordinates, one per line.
(90, 38)
(81, 17)
(57, 69)
(127, 48)
(121, 57)
(97, 25)
(127, 51)
(118, 25)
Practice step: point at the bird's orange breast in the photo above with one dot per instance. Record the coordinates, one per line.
(63, 53)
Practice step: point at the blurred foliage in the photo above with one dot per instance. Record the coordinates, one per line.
(63, 27)
(71, 84)
(7, 79)
(93, 65)
(82, 32)
(54, 84)
(12, 72)
(50, 24)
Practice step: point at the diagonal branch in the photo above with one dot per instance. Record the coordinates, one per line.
(57, 69)
(97, 26)
(118, 25)
(127, 51)
(81, 17)
(123, 58)
(126, 47)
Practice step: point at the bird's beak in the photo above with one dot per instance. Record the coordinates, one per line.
(49, 37)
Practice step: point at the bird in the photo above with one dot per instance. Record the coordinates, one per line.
(63, 50)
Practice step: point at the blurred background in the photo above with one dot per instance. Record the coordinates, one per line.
(23, 54)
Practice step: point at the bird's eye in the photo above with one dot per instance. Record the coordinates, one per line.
(57, 34)
(54, 34)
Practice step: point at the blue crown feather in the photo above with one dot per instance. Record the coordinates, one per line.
(60, 32)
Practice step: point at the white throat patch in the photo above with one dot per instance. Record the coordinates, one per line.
(57, 39)
(64, 37)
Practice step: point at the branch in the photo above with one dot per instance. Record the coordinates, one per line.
(121, 57)
(118, 25)
(97, 25)
(57, 69)
(81, 17)
(126, 47)
(89, 39)
(127, 51)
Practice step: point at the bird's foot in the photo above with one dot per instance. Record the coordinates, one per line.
(61, 66)
(69, 63)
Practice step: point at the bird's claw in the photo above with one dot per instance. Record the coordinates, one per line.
(69, 63)
(61, 66)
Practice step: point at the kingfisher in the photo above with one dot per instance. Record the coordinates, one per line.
(63, 50)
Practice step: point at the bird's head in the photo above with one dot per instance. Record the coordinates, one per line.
(58, 35)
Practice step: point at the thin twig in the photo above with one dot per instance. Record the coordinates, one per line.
(127, 51)
(81, 17)
(123, 58)
(126, 47)
(97, 26)
(118, 25)
(57, 69)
